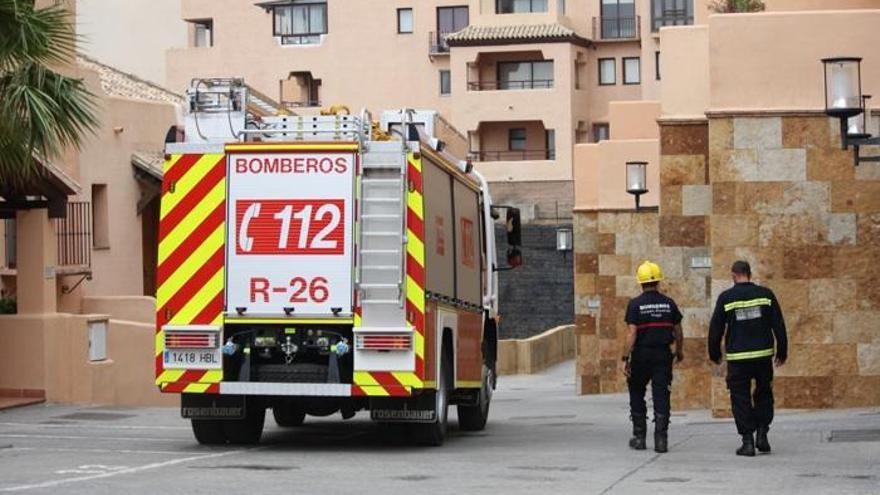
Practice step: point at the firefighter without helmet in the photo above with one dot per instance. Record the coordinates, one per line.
(649, 272)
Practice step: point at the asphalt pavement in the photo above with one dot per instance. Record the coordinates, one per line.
(541, 438)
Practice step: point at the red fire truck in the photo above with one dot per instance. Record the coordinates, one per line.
(323, 264)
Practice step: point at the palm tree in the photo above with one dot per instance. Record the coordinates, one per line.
(42, 112)
(732, 6)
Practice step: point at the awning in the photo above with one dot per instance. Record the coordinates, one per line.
(475, 35)
(49, 188)
(148, 166)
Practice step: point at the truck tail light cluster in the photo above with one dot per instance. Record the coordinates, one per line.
(184, 339)
(383, 342)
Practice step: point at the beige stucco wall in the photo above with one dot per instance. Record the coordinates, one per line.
(132, 35)
(745, 74)
(685, 67)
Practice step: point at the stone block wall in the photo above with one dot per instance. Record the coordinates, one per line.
(778, 192)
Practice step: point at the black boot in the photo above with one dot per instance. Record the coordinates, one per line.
(640, 430)
(748, 446)
(661, 428)
(761, 439)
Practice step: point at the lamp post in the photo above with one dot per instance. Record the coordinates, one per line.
(636, 179)
(845, 101)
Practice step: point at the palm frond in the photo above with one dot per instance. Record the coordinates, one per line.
(29, 34)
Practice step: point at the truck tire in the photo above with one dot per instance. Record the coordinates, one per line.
(434, 434)
(209, 431)
(288, 415)
(249, 429)
(474, 417)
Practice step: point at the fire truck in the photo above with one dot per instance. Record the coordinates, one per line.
(315, 265)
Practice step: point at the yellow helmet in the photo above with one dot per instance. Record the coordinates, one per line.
(649, 272)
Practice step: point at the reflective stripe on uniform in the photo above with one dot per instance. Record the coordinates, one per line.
(763, 301)
(738, 356)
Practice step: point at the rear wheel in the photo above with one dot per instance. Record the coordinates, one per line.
(434, 434)
(288, 415)
(249, 429)
(209, 431)
(474, 417)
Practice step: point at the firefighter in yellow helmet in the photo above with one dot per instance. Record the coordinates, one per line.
(654, 323)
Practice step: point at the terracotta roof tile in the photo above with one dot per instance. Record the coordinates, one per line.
(514, 33)
(114, 82)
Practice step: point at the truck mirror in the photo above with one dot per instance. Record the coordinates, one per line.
(514, 230)
(514, 257)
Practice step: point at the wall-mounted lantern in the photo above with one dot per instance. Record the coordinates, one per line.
(637, 179)
(564, 239)
(845, 101)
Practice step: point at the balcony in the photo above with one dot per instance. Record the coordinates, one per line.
(74, 238)
(679, 17)
(509, 85)
(437, 44)
(616, 28)
(514, 155)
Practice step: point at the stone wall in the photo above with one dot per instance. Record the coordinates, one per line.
(539, 294)
(778, 192)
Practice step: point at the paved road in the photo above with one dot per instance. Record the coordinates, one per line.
(541, 439)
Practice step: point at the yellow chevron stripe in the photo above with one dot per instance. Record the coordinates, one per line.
(196, 388)
(415, 294)
(170, 163)
(288, 321)
(416, 163)
(212, 376)
(186, 183)
(169, 376)
(160, 342)
(414, 203)
(357, 320)
(376, 391)
(199, 300)
(407, 378)
(468, 384)
(365, 379)
(189, 267)
(420, 344)
(415, 247)
(192, 220)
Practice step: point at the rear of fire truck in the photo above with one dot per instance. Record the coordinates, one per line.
(298, 271)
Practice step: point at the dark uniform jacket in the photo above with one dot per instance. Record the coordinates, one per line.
(752, 317)
(655, 317)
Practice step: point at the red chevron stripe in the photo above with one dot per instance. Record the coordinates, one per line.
(192, 376)
(180, 167)
(415, 177)
(192, 198)
(160, 365)
(415, 271)
(209, 314)
(174, 387)
(385, 379)
(214, 388)
(357, 391)
(196, 282)
(186, 248)
(415, 224)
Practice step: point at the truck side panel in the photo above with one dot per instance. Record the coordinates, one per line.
(189, 294)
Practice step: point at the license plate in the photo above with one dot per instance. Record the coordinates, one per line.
(193, 359)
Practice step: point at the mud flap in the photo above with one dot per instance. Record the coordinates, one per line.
(419, 409)
(211, 406)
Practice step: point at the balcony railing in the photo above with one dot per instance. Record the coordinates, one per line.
(671, 18)
(617, 28)
(506, 85)
(437, 43)
(514, 155)
(74, 234)
(292, 105)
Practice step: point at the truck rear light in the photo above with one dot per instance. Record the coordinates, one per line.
(186, 339)
(383, 342)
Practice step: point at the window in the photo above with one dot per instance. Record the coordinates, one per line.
(657, 65)
(516, 139)
(618, 19)
(550, 144)
(300, 23)
(671, 13)
(203, 33)
(632, 70)
(100, 217)
(525, 75)
(449, 20)
(560, 6)
(600, 132)
(520, 6)
(607, 72)
(445, 82)
(404, 21)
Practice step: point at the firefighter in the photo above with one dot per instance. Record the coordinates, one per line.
(752, 318)
(654, 323)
